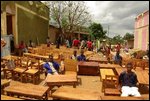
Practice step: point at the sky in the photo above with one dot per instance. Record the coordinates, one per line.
(117, 17)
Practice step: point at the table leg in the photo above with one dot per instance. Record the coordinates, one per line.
(74, 85)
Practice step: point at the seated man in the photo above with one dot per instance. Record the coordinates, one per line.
(81, 57)
(51, 66)
(128, 81)
(74, 56)
(118, 58)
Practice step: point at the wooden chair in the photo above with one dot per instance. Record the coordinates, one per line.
(33, 72)
(110, 85)
(8, 72)
(70, 66)
(145, 64)
(21, 67)
(137, 64)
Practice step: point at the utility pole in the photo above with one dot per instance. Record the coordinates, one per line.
(108, 31)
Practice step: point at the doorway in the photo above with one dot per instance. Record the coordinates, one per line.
(9, 18)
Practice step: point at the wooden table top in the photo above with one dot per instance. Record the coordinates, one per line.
(105, 72)
(76, 93)
(9, 57)
(4, 82)
(27, 89)
(109, 65)
(61, 78)
(142, 76)
(4, 97)
(36, 55)
(88, 64)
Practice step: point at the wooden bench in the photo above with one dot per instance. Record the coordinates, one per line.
(59, 80)
(4, 97)
(109, 66)
(4, 83)
(69, 93)
(28, 90)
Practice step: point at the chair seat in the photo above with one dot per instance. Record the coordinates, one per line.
(70, 73)
(31, 71)
(112, 91)
(20, 70)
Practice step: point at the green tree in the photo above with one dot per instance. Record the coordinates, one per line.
(117, 39)
(128, 36)
(96, 31)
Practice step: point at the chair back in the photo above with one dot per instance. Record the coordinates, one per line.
(70, 65)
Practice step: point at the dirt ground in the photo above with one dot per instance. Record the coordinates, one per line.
(91, 83)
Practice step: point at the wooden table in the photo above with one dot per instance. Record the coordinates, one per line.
(99, 59)
(104, 72)
(4, 97)
(35, 56)
(109, 66)
(59, 80)
(69, 93)
(30, 90)
(88, 68)
(4, 83)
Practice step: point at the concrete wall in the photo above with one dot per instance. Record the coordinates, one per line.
(141, 34)
(53, 33)
(30, 20)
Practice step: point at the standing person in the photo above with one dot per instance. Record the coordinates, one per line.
(3, 42)
(118, 58)
(81, 57)
(89, 45)
(76, 43)
(82, 44)
(58, 42)
(128, 81)
(97, 45)
(67, 43)
(48, 42)
(118, 47)
(31, 43)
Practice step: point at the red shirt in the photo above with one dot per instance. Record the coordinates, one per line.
(21, 46)
(89, 44)
(76, 43)
(118, 47)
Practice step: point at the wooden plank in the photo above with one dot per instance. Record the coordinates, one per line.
(109, 65)
(4, 97)
(104, 72)
(70, 93)
(61, 78)
(27, 89)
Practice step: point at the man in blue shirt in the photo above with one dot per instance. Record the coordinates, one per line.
(128, 81)
(118, 58)
(81, 57)
(51, 66)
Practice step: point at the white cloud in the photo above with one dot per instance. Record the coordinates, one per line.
(118, 15)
